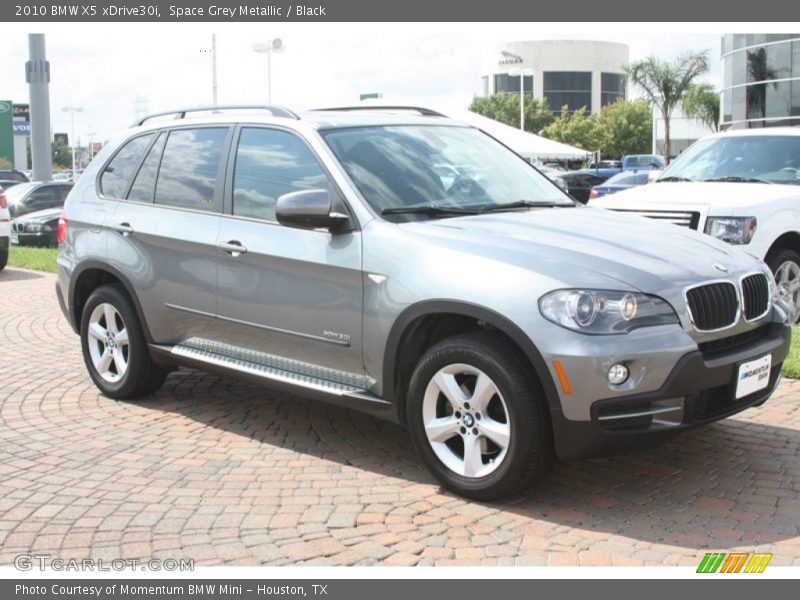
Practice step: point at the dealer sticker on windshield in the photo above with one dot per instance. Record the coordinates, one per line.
(753, 376)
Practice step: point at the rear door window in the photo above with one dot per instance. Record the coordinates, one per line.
(190, 168)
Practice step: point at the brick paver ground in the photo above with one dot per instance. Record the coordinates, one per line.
(221, 471)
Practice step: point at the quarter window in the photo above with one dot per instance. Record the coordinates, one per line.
(188, 174)
(270, 163)
(118, 173)
(143, 185)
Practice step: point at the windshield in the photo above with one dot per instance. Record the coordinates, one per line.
(769, 158)
(644, 160)
(396, 167)
(627, 179)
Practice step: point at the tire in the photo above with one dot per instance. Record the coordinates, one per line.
(3, 259)
(785, 265)
(513, 446)
(120, 369)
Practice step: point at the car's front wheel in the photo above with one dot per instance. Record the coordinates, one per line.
(114, 347)
(3, 258)
(477, 417)
(785, 265)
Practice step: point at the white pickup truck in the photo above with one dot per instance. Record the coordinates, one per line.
(742, 187)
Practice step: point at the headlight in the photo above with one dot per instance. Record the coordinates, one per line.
(33, 228)
(605, 312)
(734, 230)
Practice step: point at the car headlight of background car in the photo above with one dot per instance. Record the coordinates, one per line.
(37, 228)
(734, 230)
(605, 312)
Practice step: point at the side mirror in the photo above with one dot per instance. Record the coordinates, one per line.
(309, 209)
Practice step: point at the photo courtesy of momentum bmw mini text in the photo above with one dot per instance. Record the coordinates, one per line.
(456, 296)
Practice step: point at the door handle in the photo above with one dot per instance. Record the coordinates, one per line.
(123, 228)
(233, 247)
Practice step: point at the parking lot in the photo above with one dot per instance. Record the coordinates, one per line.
(226, 472)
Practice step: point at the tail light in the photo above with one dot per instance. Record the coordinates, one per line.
(593, 194)
(61, 232)
(3, 205)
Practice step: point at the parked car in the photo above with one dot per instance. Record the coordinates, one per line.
(633, 163)
(580, 183)
(5, 230)
(30, 197)
(740, 186)
(554, 175)
(619, 182)
(321, 253)
(13, 175)
(7, 183)
(36, 228)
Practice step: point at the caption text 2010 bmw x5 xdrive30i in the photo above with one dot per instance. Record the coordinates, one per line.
(406, 265)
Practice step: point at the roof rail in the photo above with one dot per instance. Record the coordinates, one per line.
(425, 112)
(180, 113)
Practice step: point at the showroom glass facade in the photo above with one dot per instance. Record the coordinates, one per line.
(761, 80)
(572, 89)
(505, 83)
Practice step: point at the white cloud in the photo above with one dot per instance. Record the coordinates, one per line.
(104, 67)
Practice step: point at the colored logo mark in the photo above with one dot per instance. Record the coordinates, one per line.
(734, 562)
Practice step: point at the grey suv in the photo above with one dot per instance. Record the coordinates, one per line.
(412, 267)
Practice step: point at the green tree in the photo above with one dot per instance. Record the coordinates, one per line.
(625, 127)
(665, 83)
(62, 155)
(504, 107)
(5, 163)
(702, 103)
(576, 129)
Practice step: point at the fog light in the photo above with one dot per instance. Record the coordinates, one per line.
(618, 374)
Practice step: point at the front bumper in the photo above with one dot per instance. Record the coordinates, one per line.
(699, 389)
(43, 238)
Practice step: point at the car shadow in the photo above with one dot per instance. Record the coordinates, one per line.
(730, 483)
(10, 274)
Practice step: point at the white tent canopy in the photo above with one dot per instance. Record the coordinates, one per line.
(526, 144)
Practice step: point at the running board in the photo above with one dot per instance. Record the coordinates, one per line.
(300, 379)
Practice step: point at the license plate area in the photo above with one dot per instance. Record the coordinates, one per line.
(753, 376)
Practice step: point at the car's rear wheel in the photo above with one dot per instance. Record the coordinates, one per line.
(114, 347)
(477, 417)
(785, 265)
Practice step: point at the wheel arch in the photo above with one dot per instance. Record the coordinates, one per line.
(89, 276)
(439, 319)
(786, 241)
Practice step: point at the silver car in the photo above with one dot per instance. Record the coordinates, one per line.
(403, 264)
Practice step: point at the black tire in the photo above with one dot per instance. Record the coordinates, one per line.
(780, 257)
(529, 453)
(142, 376)
(3, 258)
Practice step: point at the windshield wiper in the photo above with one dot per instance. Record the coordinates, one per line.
(431, 210)
(520, 204)
(673, 178)
(738, 179)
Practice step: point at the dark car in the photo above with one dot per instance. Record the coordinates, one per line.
(13, 175)
(36, 229)
(619, 182)
(7, 183)
(30, 197)
(580, 183)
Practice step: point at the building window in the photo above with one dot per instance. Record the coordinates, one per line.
(612, 88)
(572, 89)
(510, 83)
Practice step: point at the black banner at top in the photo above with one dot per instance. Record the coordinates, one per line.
(34, 11)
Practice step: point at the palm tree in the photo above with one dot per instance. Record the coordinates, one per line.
(665, 83)
(702, 103)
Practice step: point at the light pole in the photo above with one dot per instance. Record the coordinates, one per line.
(271, 46)
(72, 110)
(91, 133)
(522, 74)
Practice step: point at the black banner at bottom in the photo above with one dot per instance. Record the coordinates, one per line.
(386, 589)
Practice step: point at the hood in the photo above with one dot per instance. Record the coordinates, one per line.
(580, 247)
(699, 195)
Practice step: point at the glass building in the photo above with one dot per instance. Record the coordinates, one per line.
(571, 73)
(761, 75)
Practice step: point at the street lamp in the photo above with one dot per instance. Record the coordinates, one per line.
(91, 133)
(271, 46)
(72, 110)
(522, 74)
